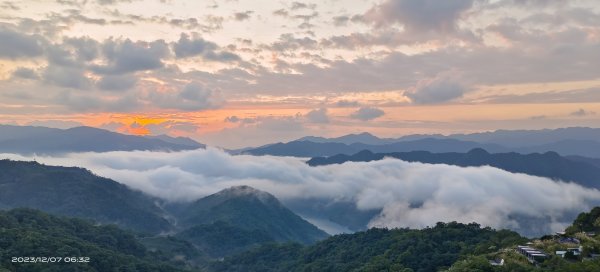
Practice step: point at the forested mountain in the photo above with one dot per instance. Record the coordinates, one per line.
(30, 233)
(221, 239)
(41, 140)
(443, 247)
(549, 164)
(77, 192)
(246, 208)
(580, 244)
(429, 249)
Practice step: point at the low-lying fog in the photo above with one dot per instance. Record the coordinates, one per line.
(401, 194)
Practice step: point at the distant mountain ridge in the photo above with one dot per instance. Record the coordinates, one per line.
(549, 164)
(42, 140)
(363, 138)
(184, 141)
(311, 149)
(507, 138)
(574, 141)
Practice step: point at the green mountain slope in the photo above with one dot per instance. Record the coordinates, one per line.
(77, 192)
(221, 239)
(429, 249)
(30, 233)
(250, 209)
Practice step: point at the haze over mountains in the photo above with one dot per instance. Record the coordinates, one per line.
(42, 140)
(576, 141)
(508, 138)
(579, 141)
(350, 196)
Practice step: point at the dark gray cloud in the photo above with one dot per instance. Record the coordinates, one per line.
(117, 82)
(281, 12)
(241, 16)
(68, 77)
(25, 73)
(126, 56)
(288, 42)
(341, 20)
(17, 45)
(191, 97)
(581, 113)
(367, 113)
(235, 119)
(189, 47)
(301, 5)
(86, 49)
(347, 104)
(419, 15)
(436, 90)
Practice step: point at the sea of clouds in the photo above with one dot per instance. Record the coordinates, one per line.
(406, 194)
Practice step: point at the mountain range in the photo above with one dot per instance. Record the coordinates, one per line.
(575, 141)
(549, 164)
(508, 138)
(42, 140)
(311, 149)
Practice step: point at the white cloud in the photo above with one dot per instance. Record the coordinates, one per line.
(408, 194)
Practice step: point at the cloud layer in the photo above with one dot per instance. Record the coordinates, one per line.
(407, 194)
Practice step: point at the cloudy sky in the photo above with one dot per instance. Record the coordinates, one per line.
(235, 73)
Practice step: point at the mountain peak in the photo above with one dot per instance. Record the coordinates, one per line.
(251, 209)
(478, 151)
(246, 191)
(241, 190)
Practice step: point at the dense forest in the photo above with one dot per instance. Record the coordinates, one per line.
(31, 233)
(443, 247)
(429, 249)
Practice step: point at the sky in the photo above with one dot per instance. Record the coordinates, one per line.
(235, 73)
